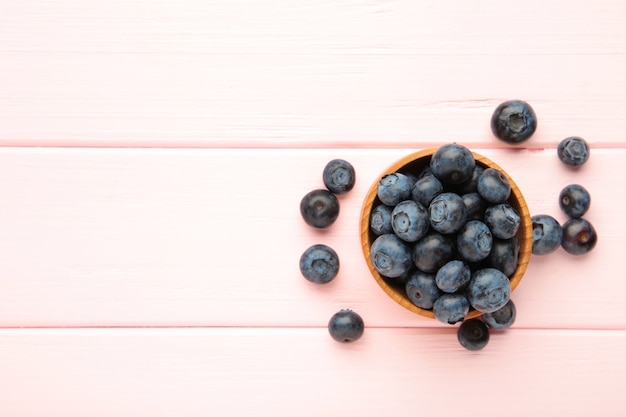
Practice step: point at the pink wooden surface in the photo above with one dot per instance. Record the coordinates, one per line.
(154, 156)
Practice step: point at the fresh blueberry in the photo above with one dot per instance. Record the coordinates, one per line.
(380, 220)
(447, 213)
(425, 189)
(573, 151)
(574, 200)
(504, 255)
(453, 276)
(339, 176)
(579, 236)
(409, 221)
(432, 251)
(319, 264)
(394, 188)
(319, 208)
(475, 206)
(390, 255)
(494, 186)
(346, 326)
(503, 220)
(425, 173)
(452, 163)
(422, 290)
(513, 121)
(488, 290)
(502, 318)
(547, 234)
(471, 185)
(473, 334)
(451, 308)
(474, 241)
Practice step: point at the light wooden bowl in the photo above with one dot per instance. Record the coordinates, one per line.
(414, 163)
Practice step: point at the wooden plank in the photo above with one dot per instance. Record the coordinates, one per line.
(154, 237)
(287, 372)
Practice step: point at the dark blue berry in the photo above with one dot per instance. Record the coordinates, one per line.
(513, 121)
(502, 318)
(394, 188)
(319, 264)
(451, 308)
(573, 151)
(547, 234)
(503, 220)
(474, 241)
(488, 290)
(453, 276)
(432, 251)
(574, 200)
(339, 176)
(447, 213)
(380, 220)
(475, 206)
(409, 221)
(473, 334)
(504, 255)
(452, 164)
(494, 186)
(422, 290)
(319, 208)
(346, 326)
(579, 236)
(390, 255)
(471, 185)
(425, 189)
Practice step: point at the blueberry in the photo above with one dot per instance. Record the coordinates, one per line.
(474, 241)
(452, 164)
(422, 290)
(394, 188)
(346, 326)
(319, 208)
(513, 121)
(547, 234)
(574, 200)
(503, 220)
(504, 255)
(502, 318)
(475, 206)
(453, 276)
(573, 151)
(471, 185)
(339, 176)
(579, 236)
(451, 308)
(409, 221)
(432, 251)
(494, 186)
(390, 255)
(473, 334)
(319, 264)
(488, 290)
(447, 213)
(380, 220)
(425, 189)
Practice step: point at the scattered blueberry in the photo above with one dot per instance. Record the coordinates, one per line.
(453, 276)
(503, 220)
(488, 290)
(579, 236)
(452, 163)
(502, 318)
(494, 186)
(474, 241)
(319, 208)
(573, 151)
(339, 176)
(432, 251)
(394, 188)
(390, 255)
(425, 189)
(574, 200)
(504, 255)
(409, 221)
(513, 121)
(346, 326)
(475, 206)
(380, 220)
(473, 334)
(447, 213)
(319, 264)
(451, 308)
(422, 290)
(547, 234)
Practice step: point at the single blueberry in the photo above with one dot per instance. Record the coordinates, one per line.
(346, 326)
(339, 176)
(394, 188)
(579, 236)
(474, 241)
(573, 151)
(390, 255)
(473, 334)
(547, 234)
(447, 213)
(319, 208)
(513, 121)
(504, 255)
(319, 264)
(452, 163)
(494, 186)
(422, 290)
(502, 318)
(453, 276)
(475, 206)
(380, 220)
(574, 200)
(409, 221)
(451, 308)
(425, 189)
(503, 220)
(432, 251)
(488, 290)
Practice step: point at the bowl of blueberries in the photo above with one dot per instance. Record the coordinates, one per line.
(446, 233)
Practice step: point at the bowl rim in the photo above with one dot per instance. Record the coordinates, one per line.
(524, 234)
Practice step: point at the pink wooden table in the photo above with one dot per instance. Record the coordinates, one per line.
(153, 158)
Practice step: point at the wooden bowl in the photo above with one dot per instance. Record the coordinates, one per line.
(413, 164)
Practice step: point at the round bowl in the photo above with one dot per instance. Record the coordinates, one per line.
(414, 164)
